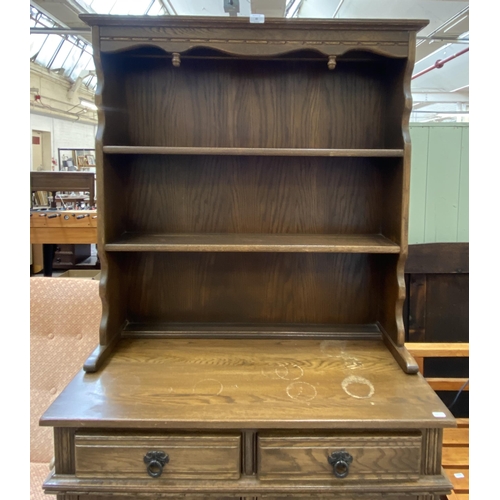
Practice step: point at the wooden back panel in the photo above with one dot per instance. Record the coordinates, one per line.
(248, 103)
(250, 287)
(230, 194)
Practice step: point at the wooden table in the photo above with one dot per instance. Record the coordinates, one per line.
(56, 227)
(64, 181)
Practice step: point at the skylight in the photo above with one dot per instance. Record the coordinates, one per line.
(65, 54)
(125, 7)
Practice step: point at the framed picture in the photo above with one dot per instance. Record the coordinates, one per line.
(76, 158)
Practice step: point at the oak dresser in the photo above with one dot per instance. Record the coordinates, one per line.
(253, 188)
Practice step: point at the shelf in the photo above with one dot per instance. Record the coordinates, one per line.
(255, 330)
(157, 150)
(231, 242)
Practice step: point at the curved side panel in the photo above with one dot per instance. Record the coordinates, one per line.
(406, 189)
(99, 182)
(108, 335)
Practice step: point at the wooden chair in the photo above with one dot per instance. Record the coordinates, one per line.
(455, 441)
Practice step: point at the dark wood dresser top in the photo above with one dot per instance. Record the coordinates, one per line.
(238, 383)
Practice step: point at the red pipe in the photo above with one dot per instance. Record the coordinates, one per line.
(440, 63)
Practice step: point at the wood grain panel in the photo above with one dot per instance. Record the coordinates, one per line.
(201, 496)
(249, 384)
(438, 258)
(305, 458)
(62, 235)
(450, 324)
(219, 194)
(431, 451)
(191, 456)
(249, 287)
(64, 462)
(255, 103)
(338, 496)
(455, 457)
(459, 477)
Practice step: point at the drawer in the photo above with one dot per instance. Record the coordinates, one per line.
(189, 456)
(339, 457)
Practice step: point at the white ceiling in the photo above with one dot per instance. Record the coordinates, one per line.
(441, 94)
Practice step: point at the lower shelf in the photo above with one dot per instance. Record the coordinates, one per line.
(247, 330)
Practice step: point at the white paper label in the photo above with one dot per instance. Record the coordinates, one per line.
(458, 475)
(257, 18)
(439, 414)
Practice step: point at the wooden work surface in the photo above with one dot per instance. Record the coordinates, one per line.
(64, 181)
(223, 384)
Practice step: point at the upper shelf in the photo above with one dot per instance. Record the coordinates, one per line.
(163, 150)
(230, 242)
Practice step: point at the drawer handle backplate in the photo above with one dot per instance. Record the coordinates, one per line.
(340, 461)
(155, 460)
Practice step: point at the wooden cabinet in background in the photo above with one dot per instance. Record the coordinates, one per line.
(68, 256)
(253, 186)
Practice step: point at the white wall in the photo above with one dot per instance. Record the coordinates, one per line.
(66, 134)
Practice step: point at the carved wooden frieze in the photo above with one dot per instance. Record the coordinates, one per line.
(248, 43)
(240, 38)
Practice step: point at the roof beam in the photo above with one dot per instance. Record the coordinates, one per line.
(437, 97)
(60, 31)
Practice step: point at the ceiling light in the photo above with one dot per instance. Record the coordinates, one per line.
(88, 104)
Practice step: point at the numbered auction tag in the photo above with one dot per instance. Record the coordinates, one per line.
(257, 18)
(439, 414)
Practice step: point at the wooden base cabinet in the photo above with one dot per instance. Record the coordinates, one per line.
(253, 183)
(252, 418)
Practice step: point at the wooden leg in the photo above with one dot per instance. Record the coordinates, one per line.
(48, 258)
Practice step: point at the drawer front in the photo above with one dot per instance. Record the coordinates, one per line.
(339, 496)
(122, 456)
(369, 457)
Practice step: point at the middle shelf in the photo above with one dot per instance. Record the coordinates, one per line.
(250, 242)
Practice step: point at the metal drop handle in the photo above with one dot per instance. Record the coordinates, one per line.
(340, 461)
(155, 461)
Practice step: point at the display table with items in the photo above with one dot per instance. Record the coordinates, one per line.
(66, 236)
(253, 188)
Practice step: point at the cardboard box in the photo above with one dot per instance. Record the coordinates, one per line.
(81, 273)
